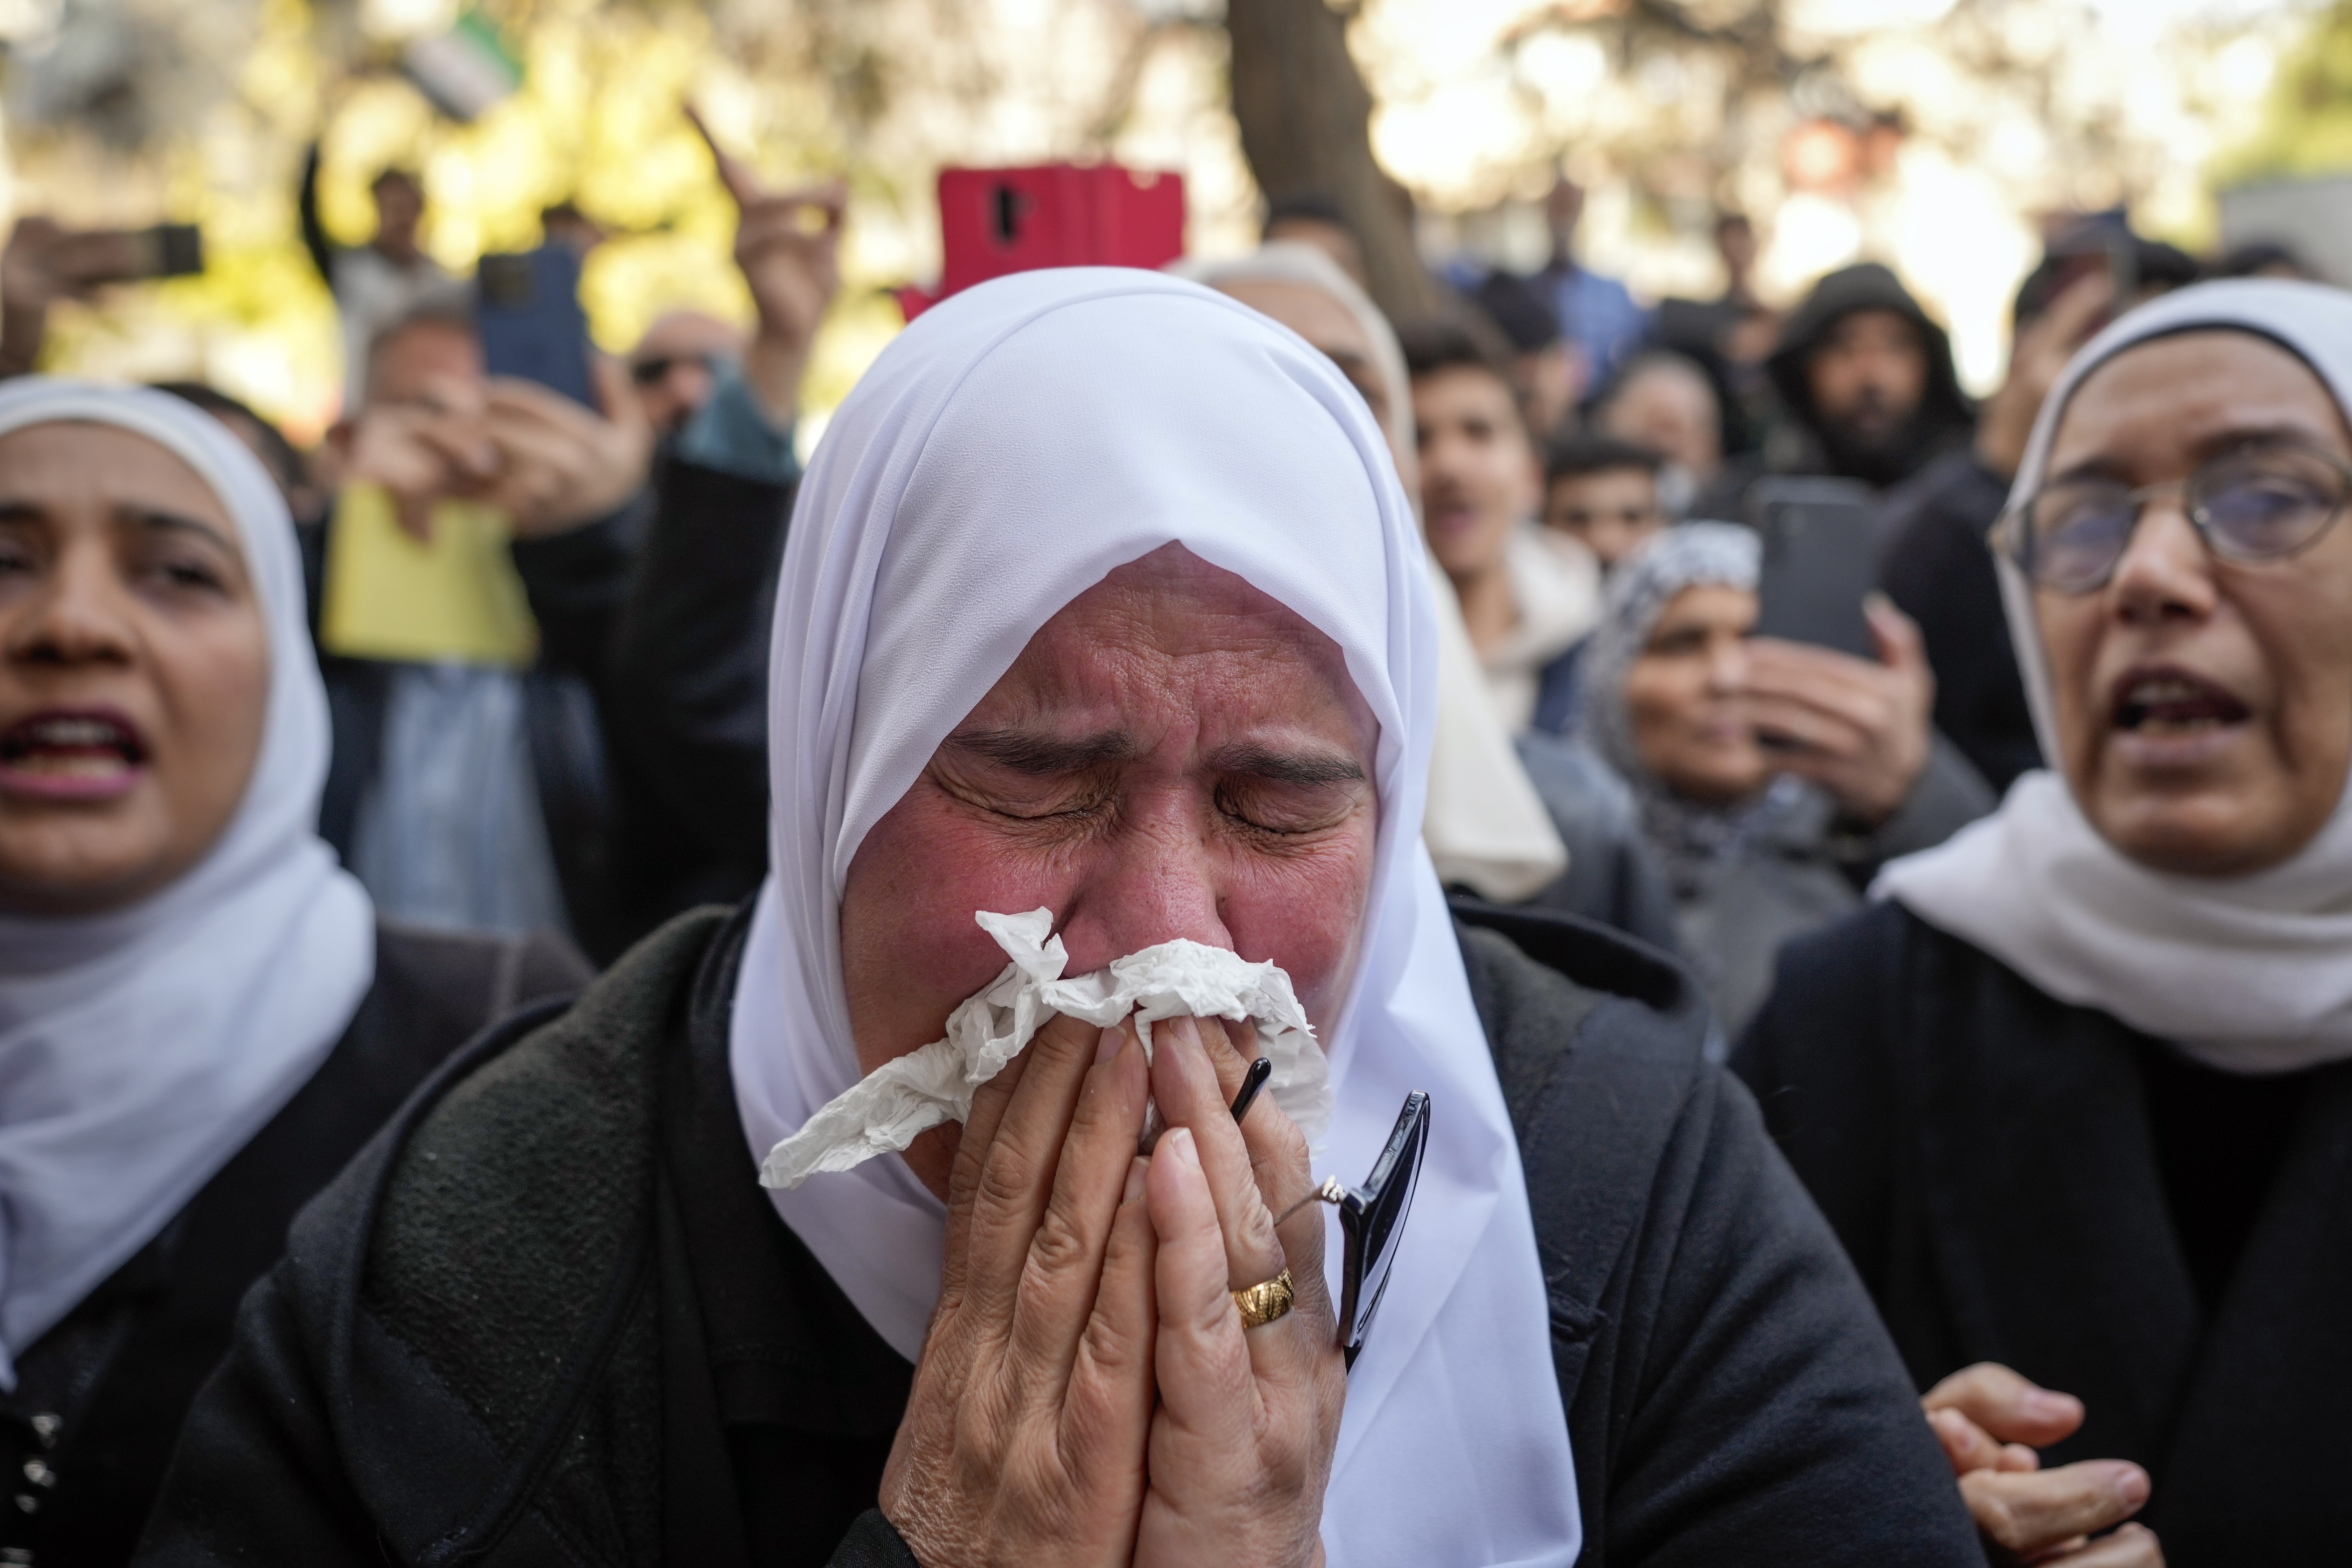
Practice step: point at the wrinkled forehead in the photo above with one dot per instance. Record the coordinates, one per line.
(2185, 394)
(1056, 462)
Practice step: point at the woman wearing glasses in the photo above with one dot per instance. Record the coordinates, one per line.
(2075, 1095)
(1102, 599)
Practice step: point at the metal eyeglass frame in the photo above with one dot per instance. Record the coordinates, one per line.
(2010, 531)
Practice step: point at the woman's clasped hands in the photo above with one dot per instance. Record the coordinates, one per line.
(1088, 1393)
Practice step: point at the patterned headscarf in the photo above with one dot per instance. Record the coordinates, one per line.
(1693, 839)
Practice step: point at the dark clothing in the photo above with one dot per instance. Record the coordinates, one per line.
(1936, 563)
(689, 694)
(1810, 443)
(548, 1318)
(85, 1437)
(576, 581)
(1612, 876)
(1556, 692)
(2035, 1184)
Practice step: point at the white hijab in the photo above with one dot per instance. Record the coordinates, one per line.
(2251, 975)
(1009, 449)
(141, 1048)
(1485, 824)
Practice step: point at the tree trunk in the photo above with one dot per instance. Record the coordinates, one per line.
(1305, 124)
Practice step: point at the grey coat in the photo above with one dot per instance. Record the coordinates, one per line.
(1806, 873)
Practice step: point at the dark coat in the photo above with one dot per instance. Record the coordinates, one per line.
(85, 1437)
(548, 1318)
(576, 583)
(1936, 563)
(2035, 1184)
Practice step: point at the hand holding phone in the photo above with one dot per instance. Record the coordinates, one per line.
(1859, 728)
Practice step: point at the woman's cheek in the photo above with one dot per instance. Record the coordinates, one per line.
(1305, 914)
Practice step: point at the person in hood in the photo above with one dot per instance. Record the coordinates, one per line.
(2077, 1090)
(1102, 596)
(1865, 380)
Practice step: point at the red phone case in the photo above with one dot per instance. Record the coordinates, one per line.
(997, 221)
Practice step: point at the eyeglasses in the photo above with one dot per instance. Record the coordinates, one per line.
(1372, 1221)
(2262, 502)
(646, 372)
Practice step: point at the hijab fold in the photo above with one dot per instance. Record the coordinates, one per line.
(2250, 975)
(1009, 449)
(140, 1049)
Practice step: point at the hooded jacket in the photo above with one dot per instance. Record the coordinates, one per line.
(1945, 417)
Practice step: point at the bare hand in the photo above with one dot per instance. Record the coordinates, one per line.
(1023, 1439)
(788, 246)
(420, 450)
(1242, 1443)
(560, 465)
(1990, 1421)
(2042, 348)
(1858, 728)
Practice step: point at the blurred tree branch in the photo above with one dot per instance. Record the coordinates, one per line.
(1305, 124)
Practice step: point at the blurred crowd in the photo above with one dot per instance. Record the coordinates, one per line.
(541, 631)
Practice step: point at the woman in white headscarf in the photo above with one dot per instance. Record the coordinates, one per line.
(199, 1020)
(2076, 1095)
(1101, 598)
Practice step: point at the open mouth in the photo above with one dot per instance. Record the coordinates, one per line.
(2164, 703)
(79, 753)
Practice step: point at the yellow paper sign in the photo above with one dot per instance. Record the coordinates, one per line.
(454, 598)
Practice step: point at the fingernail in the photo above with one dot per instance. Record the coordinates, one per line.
(1107, 1047)
(1135, 1169)
(2131, 1486)
(1178, 1141)
(2042, 1402)
(1186, 1030)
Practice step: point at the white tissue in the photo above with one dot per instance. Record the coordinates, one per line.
(885, 1110)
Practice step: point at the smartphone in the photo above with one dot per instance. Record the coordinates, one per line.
(1821, 559)
(530, 321)
(998, 221)
(132, 254)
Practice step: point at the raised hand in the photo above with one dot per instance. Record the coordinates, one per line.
(1990, 1421)
(1023, 1439)
(560, 465)
(788, 246)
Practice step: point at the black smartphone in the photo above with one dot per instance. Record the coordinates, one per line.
(1821, 559)
(531, 320)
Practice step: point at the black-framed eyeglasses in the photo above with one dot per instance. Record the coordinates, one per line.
(2259, 502)
(1372, 1221)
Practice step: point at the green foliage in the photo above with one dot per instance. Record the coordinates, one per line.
(2307, 125)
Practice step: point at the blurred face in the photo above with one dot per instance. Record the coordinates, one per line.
(1174, 754)
(1869, 375)
(1735, 241)
(427, 363)
(1687, 698)
(2203, 707)
(1669, 410)
(399, 208)
(1611, 511)
(134, 668)
(1326, 324)
(1479, 477)
(672, 364)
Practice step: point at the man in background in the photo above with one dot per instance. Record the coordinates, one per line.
(377, 283)
(1313, 217)
(1865, 384)
(1603, 493)
(1596, 313)
(1527, 597)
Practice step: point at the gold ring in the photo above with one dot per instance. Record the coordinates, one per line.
(1263, 1302)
